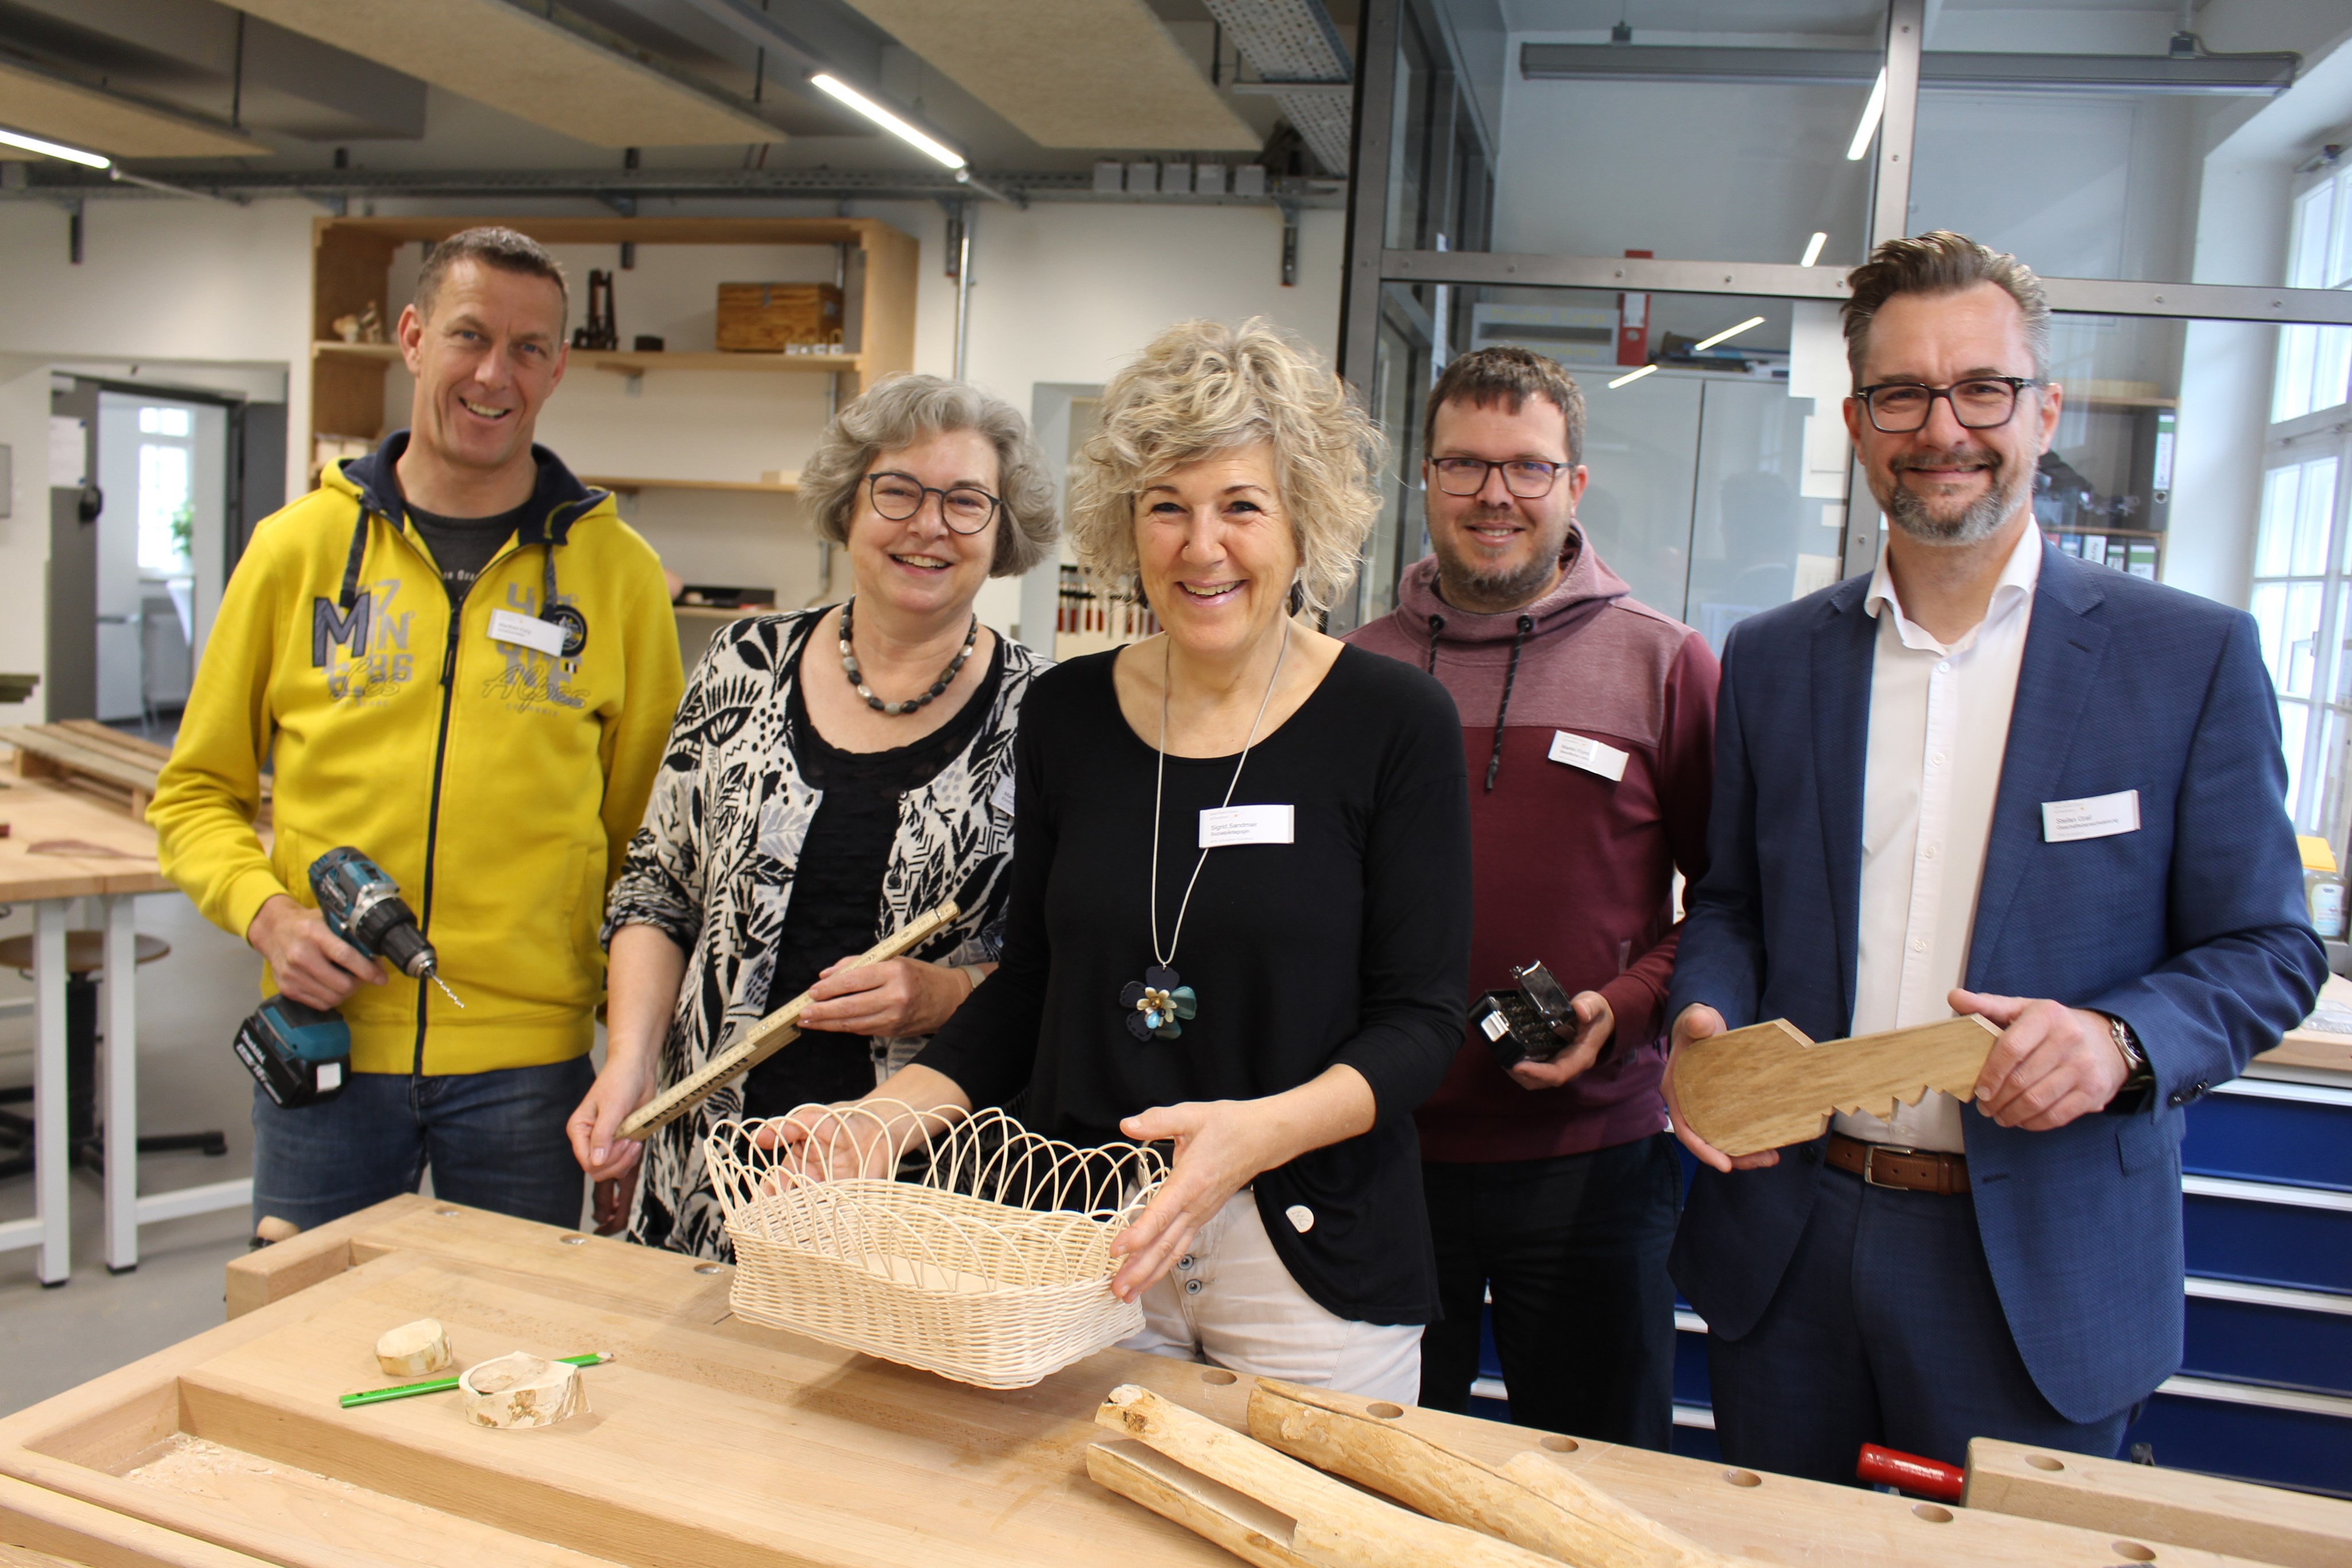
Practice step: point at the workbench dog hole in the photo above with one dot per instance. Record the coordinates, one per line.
(963, 1245)
(1560, 1445)
(574, 1240)
(2132, 1550)
(1931, 1513)
(1743, 1478)
(706, 1268)
(445, 1214)
(1217, 1375)
(1382, 1410)
(2043, 1462)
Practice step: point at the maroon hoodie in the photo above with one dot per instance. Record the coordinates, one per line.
(1569, 868)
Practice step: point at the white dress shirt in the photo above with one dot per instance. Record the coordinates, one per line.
(1938, 730)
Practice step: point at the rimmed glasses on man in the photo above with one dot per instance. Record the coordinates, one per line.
(1979, 403)
(1525, 477)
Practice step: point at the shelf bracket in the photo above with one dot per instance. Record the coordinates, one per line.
(632, 383)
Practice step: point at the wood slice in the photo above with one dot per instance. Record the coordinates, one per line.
(1769, 1086)
(522, 1390)
(412, 1350)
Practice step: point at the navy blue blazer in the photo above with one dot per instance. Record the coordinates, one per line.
(2193, 930)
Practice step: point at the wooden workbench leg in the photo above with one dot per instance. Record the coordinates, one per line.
(121, 1082)
(51, 1158)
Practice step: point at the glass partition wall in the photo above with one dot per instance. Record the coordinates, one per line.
(1669, 209)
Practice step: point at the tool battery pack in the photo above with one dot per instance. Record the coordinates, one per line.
(299, 1054)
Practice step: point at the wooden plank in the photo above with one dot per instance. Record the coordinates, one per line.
(2145, 1502)
(743, 486)
(274, 1272)
(886, 332)
(111, 853)
(2310, 1046)
(76, 752)
(105, 738)
(38, 1527)
(1768, 1086)
(82, 115)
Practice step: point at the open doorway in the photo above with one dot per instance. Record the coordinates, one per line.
(163, 465)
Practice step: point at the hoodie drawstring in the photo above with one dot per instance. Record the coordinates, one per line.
(1495, 761)
(1436, 626)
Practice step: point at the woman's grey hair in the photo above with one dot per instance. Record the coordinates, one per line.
(1202, 387)
(904, 410)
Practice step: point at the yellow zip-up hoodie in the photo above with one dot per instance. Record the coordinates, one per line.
(496, 785)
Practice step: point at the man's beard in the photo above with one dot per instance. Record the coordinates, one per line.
(1468, 586)
(1979, 520)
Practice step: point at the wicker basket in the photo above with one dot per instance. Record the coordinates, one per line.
(986, 1259)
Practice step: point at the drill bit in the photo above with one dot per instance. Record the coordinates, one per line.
(436, 976)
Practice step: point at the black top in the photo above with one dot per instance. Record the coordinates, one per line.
(1349, 944)
(462, 546)
(837, 898)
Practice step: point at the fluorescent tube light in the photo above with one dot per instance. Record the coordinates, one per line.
(55, 150)
(1631, 376)
(1727, 332)
(1870, 113)
(1813, 248)
(886, 120)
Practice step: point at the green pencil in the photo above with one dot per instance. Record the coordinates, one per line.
(442, 1384)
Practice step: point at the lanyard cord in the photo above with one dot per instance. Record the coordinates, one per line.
(1160, 784)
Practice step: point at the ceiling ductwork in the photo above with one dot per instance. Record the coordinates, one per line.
(1292, 45)
(552, 69)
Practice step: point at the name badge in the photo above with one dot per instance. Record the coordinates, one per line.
(1246, 825)
(2093, 816)
(1592, 756)
(1003, 798)
(529, 631)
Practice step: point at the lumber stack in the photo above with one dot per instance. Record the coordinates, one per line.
(92, 759)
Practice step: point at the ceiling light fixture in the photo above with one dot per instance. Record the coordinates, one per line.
(1870, 113)
(55, 150)
(886, 120)
(1707, 343)
(1813, 248)
(1631, 376)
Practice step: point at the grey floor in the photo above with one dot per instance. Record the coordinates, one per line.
(189, 1005)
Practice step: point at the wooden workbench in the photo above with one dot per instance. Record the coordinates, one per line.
(718, 1444)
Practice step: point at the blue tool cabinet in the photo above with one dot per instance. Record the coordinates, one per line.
(2264, 1391)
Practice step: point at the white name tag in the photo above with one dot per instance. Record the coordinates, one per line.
(1245, 825)
(530, 631)
(1003, 798)
(2093, 816)
(1592, 756)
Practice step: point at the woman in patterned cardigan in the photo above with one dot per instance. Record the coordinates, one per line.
(831, 774)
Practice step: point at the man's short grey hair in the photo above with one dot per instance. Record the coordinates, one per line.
(906, 409)
(1941, 262)
(491, 245)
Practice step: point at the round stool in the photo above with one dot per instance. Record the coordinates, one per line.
(85, 956)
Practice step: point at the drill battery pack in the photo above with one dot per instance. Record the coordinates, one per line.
(299, 1054)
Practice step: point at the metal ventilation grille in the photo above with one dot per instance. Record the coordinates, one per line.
(1293, 41)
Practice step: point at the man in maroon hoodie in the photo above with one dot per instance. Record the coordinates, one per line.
(1588, 719)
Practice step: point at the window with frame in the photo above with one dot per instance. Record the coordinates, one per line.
(2314, 363)
(2303, 590)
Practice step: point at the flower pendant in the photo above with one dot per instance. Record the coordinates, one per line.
(1157, 1005)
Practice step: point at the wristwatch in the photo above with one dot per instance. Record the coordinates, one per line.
(2138, 1077)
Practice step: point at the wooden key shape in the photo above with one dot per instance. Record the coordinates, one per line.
(1769, 1086)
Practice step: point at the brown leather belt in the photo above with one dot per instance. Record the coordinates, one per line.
(1913, 1170)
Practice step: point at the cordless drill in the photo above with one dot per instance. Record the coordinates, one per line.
(300, 1054)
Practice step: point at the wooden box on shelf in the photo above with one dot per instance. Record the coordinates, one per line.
(769, 318)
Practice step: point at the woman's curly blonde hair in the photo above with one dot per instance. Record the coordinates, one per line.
(899, 412)
(1202, 387)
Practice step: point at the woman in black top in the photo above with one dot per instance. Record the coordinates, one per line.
(1277, 1005)
(831, 775)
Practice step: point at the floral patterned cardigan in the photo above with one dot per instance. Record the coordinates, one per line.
(712, 869)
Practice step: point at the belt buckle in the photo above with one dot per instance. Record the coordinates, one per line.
(1869, 1158)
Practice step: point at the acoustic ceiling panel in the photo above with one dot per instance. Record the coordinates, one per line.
(1070, 73)
(61, 110)
(525, 65)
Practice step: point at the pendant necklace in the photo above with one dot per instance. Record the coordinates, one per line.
(1157, 1005)
(858, 678)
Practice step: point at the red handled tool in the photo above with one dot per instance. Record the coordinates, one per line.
(1909, 1472)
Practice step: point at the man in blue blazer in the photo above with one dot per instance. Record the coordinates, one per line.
(1987, 779)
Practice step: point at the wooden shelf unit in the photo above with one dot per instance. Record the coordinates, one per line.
(352, 265)
(730, 487)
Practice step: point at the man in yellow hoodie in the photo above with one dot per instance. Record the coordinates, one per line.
(455, 657)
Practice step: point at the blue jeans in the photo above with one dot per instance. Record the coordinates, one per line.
(494, 1141)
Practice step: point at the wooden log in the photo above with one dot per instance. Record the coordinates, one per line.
(412, 1350)
(521, 1390)
(1529, 1501)
(770, 1034)
(1336, 1526)
(1233, 1519)
(2295, 1530)
(1769, 1086)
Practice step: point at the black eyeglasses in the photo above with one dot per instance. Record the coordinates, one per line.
(965, 508)
(1523, 478)
(1979, 402)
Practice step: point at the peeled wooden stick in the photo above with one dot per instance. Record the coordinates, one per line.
(522, 1390)
(1235, 1520)
(1333, 1526)
(770, 1034)
(1531, 1502)
(412, 1350)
